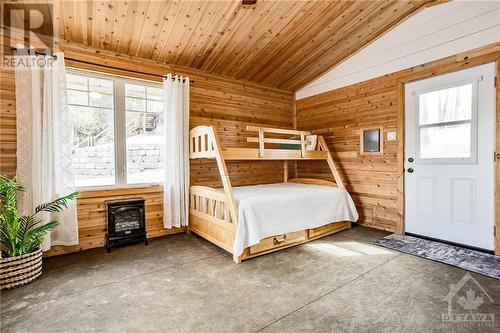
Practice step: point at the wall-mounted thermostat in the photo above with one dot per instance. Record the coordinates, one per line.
(391, 136)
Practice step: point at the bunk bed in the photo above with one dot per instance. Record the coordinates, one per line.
(249, 221)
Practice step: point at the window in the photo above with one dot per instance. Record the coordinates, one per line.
(91, 108)
(145, 133)
(371, 141)
(118, 130)
(446, 123)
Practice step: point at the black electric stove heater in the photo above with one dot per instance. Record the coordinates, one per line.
(126, 222)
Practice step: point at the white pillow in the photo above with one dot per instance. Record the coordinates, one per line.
(314, 140)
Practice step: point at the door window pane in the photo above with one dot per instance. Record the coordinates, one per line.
(453, 141)
(145, 133)
(445, 119)
(450, 104)
(93, 130)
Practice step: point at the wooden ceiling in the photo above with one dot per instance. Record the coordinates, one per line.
(283, 43)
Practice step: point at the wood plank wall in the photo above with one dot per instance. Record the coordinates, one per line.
(226, 103)
(7, 123)
(339, 115)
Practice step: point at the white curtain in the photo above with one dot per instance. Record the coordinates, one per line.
(176, 180)
(44, 139)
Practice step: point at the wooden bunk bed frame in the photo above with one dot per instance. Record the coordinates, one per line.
(213, 214)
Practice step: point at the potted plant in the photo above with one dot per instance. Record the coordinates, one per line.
(21, 236)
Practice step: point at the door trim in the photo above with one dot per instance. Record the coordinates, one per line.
(497, 173)
(458, 63)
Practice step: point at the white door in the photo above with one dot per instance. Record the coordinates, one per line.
(449, 157)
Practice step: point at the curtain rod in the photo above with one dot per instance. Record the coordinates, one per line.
(30, 50)
(35, 52)
(121, 69)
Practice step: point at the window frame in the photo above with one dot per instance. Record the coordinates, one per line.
(473, 121)
(120, 128)
(380, 150)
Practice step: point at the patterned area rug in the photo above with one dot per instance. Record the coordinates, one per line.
(471, 260)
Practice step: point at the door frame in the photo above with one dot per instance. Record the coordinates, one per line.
(447, 65)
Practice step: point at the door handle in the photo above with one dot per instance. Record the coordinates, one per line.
(410, 170)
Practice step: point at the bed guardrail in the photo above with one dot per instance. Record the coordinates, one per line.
(262, 140)
(211, 205)
(312, 181)
(201, 142)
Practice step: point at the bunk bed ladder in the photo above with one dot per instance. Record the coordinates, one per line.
(226, 182)
(331, 163)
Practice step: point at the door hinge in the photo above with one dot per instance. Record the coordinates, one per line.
(496, 156)
(495, 81)
(494, 231)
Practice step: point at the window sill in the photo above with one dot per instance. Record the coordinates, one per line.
(116, 187)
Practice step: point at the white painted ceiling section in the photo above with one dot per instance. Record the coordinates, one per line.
(433, 33)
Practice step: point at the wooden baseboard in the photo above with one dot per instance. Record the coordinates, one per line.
(98, 241)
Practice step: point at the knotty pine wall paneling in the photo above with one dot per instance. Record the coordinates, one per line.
(339, 116)
(374, 181)
(7, 123)
(223, 102)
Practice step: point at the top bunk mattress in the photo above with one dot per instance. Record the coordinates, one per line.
(275, 209)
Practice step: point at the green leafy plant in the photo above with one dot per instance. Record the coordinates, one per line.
(23, 234)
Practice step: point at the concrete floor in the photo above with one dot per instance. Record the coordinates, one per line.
(182, 283)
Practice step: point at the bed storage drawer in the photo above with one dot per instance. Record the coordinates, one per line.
(315, 232)
(278, 241)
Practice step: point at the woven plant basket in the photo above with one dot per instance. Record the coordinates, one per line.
(20, 270)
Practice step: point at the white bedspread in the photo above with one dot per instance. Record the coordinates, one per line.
(275, 209)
